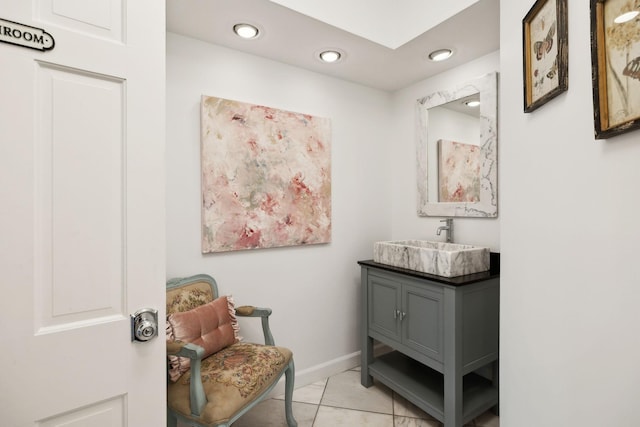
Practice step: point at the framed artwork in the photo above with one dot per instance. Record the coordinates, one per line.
(266, 177)
(458, 172)
(545, 51)
(615, 58)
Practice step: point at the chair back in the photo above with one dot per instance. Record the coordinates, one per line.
(184, 294)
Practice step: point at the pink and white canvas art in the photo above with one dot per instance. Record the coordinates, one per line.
(459, 172)
(266, 177)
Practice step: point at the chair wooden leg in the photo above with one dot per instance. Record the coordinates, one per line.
(288, 394)
(172, 420)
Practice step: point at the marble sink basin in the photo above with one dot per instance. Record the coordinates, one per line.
(438, 258)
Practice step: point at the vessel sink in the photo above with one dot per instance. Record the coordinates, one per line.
(437, 258)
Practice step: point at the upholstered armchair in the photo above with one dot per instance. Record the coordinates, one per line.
(214, 377)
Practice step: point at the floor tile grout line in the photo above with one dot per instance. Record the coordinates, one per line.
(393, 408)
(324, 390)
(361, 410)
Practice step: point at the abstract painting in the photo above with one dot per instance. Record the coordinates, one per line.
(266, 177)
(459, 172)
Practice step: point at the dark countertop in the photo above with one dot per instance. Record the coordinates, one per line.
(468, 279)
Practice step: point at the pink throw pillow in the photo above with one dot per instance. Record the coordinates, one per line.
(212, 326)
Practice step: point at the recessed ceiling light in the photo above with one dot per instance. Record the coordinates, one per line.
(330, 56)
(625, 17)
(472, 103)
(440, 54)
(246, 31)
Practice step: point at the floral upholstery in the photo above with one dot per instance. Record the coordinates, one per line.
(244, 366)
(189, 297)
(232, 378)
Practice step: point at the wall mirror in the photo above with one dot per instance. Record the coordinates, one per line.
(457, 150)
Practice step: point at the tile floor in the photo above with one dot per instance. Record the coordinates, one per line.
(341, 401)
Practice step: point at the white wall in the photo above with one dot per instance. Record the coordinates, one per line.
(406, 224)
(313, 290)
(570, 282)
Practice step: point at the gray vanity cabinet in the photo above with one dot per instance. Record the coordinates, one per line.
(409, 315)
(444, 339)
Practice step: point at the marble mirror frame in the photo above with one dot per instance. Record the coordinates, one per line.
(487, 206)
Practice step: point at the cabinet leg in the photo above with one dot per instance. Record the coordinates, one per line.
(453, 401)
(365, 379)
(366, 358)
(453, 359)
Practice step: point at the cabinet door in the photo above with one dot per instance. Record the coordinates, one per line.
(422, 320)
(384, 307)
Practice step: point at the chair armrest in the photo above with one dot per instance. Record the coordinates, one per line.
(174, 347)
(251, 311)
(262, 312)
(195, 353)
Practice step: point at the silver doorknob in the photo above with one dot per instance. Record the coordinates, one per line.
(144, 324)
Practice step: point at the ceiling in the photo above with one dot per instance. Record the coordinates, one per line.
(384, 46)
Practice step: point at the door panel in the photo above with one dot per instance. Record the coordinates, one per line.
(423, 324)
(82, 230)
(102, 414)
(79, 198)
(98, 18)
(384, 303)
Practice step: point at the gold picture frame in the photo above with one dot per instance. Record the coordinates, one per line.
(615, 59)
(545, 52)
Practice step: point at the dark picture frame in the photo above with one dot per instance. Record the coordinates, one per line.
(545, 52)
(615, 59)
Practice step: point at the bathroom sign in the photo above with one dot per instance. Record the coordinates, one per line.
(25, 35)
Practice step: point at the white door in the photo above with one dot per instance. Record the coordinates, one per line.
(81, 213)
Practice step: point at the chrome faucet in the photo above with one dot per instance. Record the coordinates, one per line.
(448, 228)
